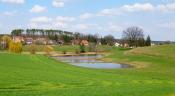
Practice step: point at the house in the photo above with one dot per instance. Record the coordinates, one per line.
(50, 42)
(126, 45)
(81, 42)
(153, 44)
(75, 42)
(99, 42)
(41, 41)
(28, 40)
(117, 44)
(84, 42)
(18, 39)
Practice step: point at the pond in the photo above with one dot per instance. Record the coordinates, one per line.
(90, 61)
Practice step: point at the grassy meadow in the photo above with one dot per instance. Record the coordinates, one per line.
(58, 48)
(67, 48)
(38, 75)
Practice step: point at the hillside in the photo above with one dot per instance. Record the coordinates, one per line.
(162, 50)
(37, 75)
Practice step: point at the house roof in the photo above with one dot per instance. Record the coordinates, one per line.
(84, 42)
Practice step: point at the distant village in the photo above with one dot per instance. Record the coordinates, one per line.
(59, 37)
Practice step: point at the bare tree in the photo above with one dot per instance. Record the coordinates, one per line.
(133, 35)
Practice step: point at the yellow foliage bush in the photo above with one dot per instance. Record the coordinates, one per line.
(48, 49)
(15, 47)
(6, 40)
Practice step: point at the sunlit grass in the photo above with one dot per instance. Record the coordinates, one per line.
(37, 75)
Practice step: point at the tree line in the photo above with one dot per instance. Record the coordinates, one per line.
(133, 36)
(66, 36)
(39, 32)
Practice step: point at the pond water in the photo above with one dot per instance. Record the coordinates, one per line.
(90, 61)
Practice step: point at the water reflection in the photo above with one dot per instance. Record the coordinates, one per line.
(90, 61)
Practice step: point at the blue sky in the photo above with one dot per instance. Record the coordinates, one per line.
(155, 17)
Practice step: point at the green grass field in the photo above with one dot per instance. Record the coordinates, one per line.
(67, 48)
(58, 48)
(37, 75)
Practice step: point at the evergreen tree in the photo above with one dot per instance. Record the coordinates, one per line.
(82, 48)
(141, 42)
(148, 41)
(17, 32)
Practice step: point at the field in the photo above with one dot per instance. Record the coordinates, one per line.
(67, 48)
(38, 75)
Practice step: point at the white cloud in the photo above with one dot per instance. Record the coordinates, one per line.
(42, 22)
(42, 19)
(65, 19)
(58, 3)
(109, 12)
(38, 9)
(137, 7)
(86, 16)
(8, 13)
(33, 25)
(169, 25)
(14, 1)
(145, 7)
(86, 28)
(60, 22)
(114, 28)
(166, 7)
(80, 27)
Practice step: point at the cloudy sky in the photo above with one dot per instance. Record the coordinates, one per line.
(156, 17)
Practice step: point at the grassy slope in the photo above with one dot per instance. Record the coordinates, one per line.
(58, 48)
(27, 75)
(68, 48)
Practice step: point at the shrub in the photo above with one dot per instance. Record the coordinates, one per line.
(92, 47)
(1, 44)
(64, 52)
(32, 48)
(77, 51)
(6, 42)
(48, 49)
(0, 47)
(15, 47)
(82, 49)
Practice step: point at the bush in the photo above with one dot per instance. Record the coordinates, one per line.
(77, 51)
(6, 42)
(92, 47)
(82, 49)
(0, 47)
(15, 47)
(64, 52)
(32, 49)
(48, 49)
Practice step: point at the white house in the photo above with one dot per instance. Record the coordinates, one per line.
(153, 44)
(29, 41)
(117, 44)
